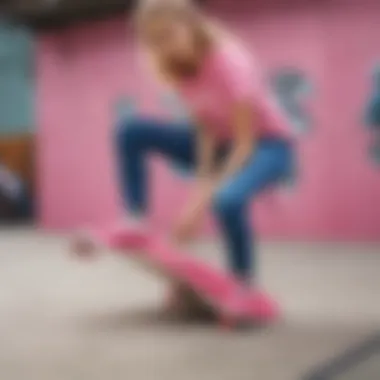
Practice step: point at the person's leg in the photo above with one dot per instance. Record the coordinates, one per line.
(138, 138)
(269, 162)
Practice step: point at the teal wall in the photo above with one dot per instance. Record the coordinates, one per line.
(16, 80)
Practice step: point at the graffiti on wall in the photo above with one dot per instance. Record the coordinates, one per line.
(16, 122)
(125, 108)
(372, 118)
(16, 79)
(293, 90)
(15, 202)
(175, 108)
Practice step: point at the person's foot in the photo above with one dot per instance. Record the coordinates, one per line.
(127, 233)
(268, 309)
(247, 307)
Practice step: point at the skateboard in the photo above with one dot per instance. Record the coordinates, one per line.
(218, 291)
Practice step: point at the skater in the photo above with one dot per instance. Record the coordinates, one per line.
(238, 143)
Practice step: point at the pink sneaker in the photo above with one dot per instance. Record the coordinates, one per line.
(127, 234)
(267, 308)
(248, 306)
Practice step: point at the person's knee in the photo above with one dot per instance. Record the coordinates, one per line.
(226, 203)
(128, 133)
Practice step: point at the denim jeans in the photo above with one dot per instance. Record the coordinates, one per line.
(270, 161)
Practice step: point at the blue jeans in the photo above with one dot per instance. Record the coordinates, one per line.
(270, 161)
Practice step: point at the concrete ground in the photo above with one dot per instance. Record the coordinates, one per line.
(65, 320)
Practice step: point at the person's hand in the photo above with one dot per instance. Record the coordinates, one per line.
(187, 226)
(191, 219)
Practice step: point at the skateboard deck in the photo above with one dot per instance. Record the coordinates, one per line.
(216, 289)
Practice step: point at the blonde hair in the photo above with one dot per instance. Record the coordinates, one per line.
(148, 9)
(205, 31)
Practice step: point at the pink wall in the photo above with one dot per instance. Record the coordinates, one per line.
(82, 71)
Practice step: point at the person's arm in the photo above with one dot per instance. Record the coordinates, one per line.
(204, 172)
(205, 151)
(243, 141)
(208, 179)
(242, 81)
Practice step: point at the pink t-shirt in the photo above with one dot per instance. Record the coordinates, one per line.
(229, 75)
